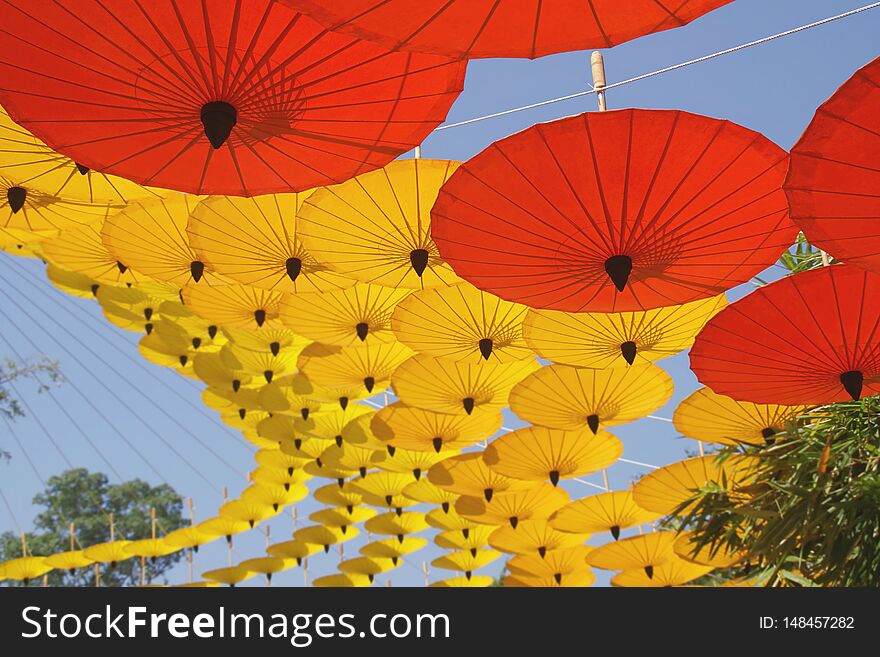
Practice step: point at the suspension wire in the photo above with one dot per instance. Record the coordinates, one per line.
(138, 362)
(49, 393)
(661, 71)
(8, 506)
(122, 402)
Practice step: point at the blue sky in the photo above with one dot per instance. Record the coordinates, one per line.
(134, 406)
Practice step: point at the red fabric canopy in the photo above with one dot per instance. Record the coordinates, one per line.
(833, 184)
(616, 211)
(502, 28)
(810, 338)
(235, 97)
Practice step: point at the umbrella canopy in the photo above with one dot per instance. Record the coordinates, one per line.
(285, 396)
(376, 228)
(369, 566)
(235, 306)
(833, 178)
(453, 539)
(565, 397)
(354, 458)
(71, 282)
(462, 323)
(472, 582)
(237, 98)
(539, 453)
(39, 167)
(468, 474)
(616, 211)
(387, 486)
(810, 338)
(425, 491)
(674, 572)
(345, 318)
(668, 488)
(466, 561)
(534, 536)
(512, 506)
(605, 512)
(325, 536)
(231, 576)
(109, 552)
(643, 552)
(411, 428)
(211, 369)
(487, 28)
(438, 385)
(415, 462)
(26, 568)
(151, 238)
(190, 537)
(450, 521)
(333, 495)
(601, 340)
(368, 365)
(343, 581)
(70, 560)
(391, 548)
(255, 241)
(27, 209)
(392, 524)
(563, 567)
(259, 363)
(298, 550)
(706, 415)
(81, 250)
(715, 556)
(341, 517)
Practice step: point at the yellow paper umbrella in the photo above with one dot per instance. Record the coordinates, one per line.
(369, 566)
(330, 424)
(387, 487)
(267, 566)
(226, 399)
(110, 552)
(565, 397)
(538, 453)
(255, 241)
(150, 237)
(259, 363)
(69, 561)
(235, 306)
(143, 304)
(275, 458)
(415, 462)
(246, 421)
(25, 569)
(81, 250)
(296, 550)
(342, 581)
(126, 319)
(248, 511)
(278, 477)
(714, 556)
(318, 468)
(345, 318)
(272, 340)
(668, 488)
(178, 356)
(251, 435)
(341, 517)
(23, 207)
(637, 552)
(605, 512)
(477, 537)
(198, 585)
(674, 572)
(204, 335)
(602, 340)
(333, 495)
(462, 323)
(449, 520)
(358, 432)
(563, 567)
(369, 365)
(513, 506)
(466, 561)
(224, 526)
(292, 444)
(391, 548)
(428, 493)
(468, 474)
(285, 395)
(534, 536)
(325, 536)
(274, 496)
(151, 548)
(212, 369)
(190, 537)
(412, 428)
(376, 227)
(337, 397)
(353, 458)
(474, 582)
(438, 385)
(197, 338)
(38, 166)
(230, 576)
(706, 415)
(78, 285)
(392, 524)
(25, 243)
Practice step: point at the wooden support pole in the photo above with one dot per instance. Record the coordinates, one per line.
(597, 64)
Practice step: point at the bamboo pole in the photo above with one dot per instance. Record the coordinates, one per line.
(597, 65)
(72, 529)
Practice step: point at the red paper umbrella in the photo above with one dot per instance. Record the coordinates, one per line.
(810, 338)
(502, 28)
(616, 211)
(236, 97)
(833, 184)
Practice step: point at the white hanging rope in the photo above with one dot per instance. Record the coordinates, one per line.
(667, 69)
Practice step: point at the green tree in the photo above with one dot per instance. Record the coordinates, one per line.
(10, 371)
(86, 500)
